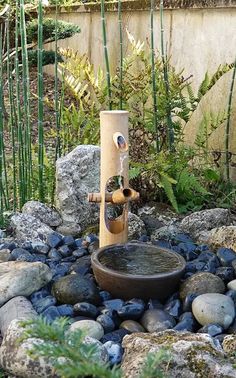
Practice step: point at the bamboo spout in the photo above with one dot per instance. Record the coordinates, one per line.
(119, 196)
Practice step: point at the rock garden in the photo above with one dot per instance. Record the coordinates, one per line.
(117, 235)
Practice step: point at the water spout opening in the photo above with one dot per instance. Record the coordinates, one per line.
(120, 142)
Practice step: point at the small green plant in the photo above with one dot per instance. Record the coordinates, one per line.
(73, 358)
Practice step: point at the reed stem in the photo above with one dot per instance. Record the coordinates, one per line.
(40, 102)
(26, 98)
(170, 131)
(154, 88)
(227, 131)
(121, 52)
(108, 76)
(12, 120)
(21, 157)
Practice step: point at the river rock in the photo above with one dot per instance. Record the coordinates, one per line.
(27, 227)
(205, 220)
(15, 358)
(22, 278)
(75, 288)
(132, 326)
(114, 351)
(18, 308)
(191, 355)
(77, 174)
(214, 308)
(222, 237)
(136, 227)
(157, 320)
(44, 213)
(201, 283)
(101, 354)
(232, 285)
(89, 327)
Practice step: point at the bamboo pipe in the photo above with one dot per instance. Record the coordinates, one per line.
(119, 196)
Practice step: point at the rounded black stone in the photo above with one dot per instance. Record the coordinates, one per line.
(174, 308)
(105, 295)
(226, 273)
(81, 266)
(75, 288)
(114, 304)
(226, 256)
(86, 309)
(51, 313)
(131, 311)
(116, 336)
(44, 303)
(106, 322)
(65, 310)
(69, 241)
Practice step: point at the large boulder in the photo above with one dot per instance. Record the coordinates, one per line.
(22, 278)
(29, 228)
(77, 174)
(15, 357)
(222, 237)
(205, 220)
(42, 212)
(191, 355)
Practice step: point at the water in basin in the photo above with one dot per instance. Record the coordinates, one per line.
(139, 260)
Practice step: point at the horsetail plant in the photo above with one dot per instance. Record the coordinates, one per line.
(2, 194)
(12, 120)
(26, 92)
(229, 109)
(154, 89)
(108, 77)
(170, 131)
(21, 157)
(40, 102)
(121, 51)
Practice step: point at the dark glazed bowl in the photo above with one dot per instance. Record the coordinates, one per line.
(145, 286)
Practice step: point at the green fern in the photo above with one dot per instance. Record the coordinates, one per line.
(166, 182)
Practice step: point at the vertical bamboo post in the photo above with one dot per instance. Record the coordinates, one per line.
(114, 162)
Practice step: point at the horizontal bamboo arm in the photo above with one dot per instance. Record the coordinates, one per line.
(119, 196)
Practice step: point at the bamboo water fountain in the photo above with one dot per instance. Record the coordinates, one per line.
(114, 165)
(126, 270)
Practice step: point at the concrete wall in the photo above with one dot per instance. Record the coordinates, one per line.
(200, 35)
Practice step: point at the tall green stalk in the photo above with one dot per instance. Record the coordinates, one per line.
(121, 52)
(166, 81)
(26, 98)
(57, 113)
(21, 157)
(108, 76)
(154, 88)
(227, 131)
(12, 120)
(2, 194)
(40, 102)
